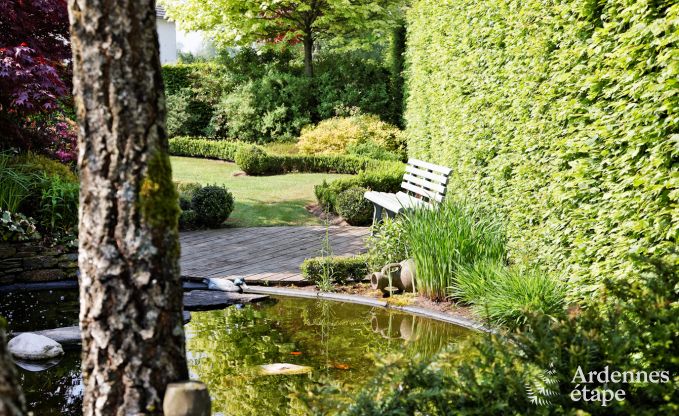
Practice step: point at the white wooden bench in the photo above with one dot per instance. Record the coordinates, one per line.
(424, 185)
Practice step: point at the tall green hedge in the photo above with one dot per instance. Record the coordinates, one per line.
(203, 76)
(563, 115)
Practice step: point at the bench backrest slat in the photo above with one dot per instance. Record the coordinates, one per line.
(434, 177)
(424, 183)
(430, 195)
(426, 180)
(430, 166)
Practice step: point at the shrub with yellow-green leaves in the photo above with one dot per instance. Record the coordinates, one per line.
(344, 135)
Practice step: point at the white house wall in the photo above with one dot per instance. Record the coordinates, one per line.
(167, 37)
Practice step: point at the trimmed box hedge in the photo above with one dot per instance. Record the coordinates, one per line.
(341, 269)
(177, 77)
(255, 160)
(205, 148)
(564, 115)
(380, 177)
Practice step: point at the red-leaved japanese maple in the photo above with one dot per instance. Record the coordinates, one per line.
(35, 72)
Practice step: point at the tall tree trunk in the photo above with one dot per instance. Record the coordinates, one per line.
(130, 291)
(309, 55)
(11, 400)
(397, 66)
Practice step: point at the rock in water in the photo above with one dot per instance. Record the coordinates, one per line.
(68, 336)
(224, 285)
(187, 398)
(30, 346)
(284, 369)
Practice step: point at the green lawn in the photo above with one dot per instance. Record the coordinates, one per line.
(260, 200)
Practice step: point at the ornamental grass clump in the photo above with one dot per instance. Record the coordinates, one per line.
(14, 184)
(508, 295)
(443, 240)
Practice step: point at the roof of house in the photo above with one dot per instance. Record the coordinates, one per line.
(160, 12)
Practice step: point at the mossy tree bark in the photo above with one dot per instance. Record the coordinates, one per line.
(130, 291)
(11, 399)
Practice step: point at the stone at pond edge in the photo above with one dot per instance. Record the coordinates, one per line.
(225, 285)
(188, 398)
(6, 251)
(211, 299)
(67, 336)
(30, 346)
(283, 369)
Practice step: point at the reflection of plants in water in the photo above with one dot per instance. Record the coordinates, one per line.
(335, 339)
(225, 347)
(56, 391)
(421, 336)
(35, 310)
(325, 283)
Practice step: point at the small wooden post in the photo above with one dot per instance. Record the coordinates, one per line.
(187, 398)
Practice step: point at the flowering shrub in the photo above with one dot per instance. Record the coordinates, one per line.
(64, 142)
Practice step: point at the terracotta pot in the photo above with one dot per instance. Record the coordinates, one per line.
(377, 281)
(399, 275)
(408, 275)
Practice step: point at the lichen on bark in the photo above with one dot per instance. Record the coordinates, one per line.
(158, 195)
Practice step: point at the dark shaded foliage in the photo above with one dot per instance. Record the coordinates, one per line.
(34, 71)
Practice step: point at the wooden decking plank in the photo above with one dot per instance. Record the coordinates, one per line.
(285, 247)
(266, 254)
(272, 252)
(247, 245)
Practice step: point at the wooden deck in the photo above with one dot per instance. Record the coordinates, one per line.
(263, 255)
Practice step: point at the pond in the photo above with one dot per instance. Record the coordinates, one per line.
(341, 342)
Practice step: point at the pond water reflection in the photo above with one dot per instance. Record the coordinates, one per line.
(340, 342)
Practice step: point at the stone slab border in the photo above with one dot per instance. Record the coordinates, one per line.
(362, 300)
(36, 286)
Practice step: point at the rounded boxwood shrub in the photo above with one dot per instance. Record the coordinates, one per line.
(253, 160)
(187, 219)
(184, 203)
(213, 205)
(353, 207)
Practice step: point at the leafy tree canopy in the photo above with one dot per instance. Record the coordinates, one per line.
(243, 22)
